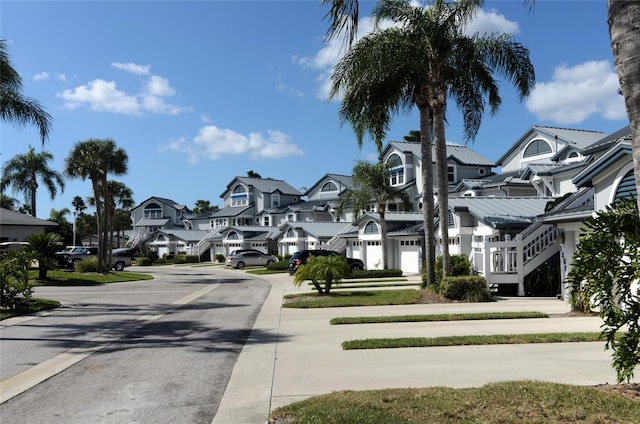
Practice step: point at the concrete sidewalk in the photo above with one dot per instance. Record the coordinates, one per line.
(307, 359)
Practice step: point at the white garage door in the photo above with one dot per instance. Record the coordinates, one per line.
(374, 255)
(410, 256)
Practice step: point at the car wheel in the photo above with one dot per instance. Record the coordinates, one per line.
(240, 265)
(119, 266)
(356, 268)
(269, 262)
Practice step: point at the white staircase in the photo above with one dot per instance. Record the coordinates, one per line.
(508, 262)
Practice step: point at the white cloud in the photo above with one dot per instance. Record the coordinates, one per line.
(61, 77)
(213, 143)
(132, 68)
(41, 76)
(101, 95)
(491, 22)
(576, 93)
(288, 89)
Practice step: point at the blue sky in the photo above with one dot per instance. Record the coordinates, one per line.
(198, 92)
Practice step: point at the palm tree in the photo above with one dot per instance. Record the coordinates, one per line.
(625, 45)
(120, 195)
(95, 159)
(64, 228)
(328, 269)
(45, 245)
(14, 106)
(7, 202)
(78, 207)
(202, 206)
(22, 172)
(371, 183)
(381, 76)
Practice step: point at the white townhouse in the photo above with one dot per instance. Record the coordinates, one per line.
(608, 177)
(154, 214)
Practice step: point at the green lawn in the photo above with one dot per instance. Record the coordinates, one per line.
(437, 317)
(523, 402)
(352, 298)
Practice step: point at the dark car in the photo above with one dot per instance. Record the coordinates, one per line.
(301, 257)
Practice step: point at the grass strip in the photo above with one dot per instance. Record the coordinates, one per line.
(67, 278)
(437, 317)
(353, 298)
(471, 340)
(523, 402)
(30, 306)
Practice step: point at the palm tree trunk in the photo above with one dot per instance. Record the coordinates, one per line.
(443, 185)
(427, 195)
(624, 30)
(385, 239)
(99, 224)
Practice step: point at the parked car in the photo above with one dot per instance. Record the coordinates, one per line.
(301, 257)
(71, 258)
(237, 251)
(250, 258)
(132, 252)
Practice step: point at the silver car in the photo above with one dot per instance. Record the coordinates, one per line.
(250, 258)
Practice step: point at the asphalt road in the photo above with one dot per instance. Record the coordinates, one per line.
(156, 351)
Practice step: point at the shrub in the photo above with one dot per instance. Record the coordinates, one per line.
(470, 288)
(287, 256)
(458, 265)
(376, 273)
(278, 266)
(191, 259)
(220, 257)
(144, 261)
(322, 269)
(14, 277)
(87, 265)
(168, 256)
(179, 260)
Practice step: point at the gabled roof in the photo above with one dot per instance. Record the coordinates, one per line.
(544, 169)
(319, 230)
(164, 200)
(264, 185)
(249, 232)
(152, 222)
(302, 206)
(578, 138)
(392, 217)
(462, 155)
(345, 182)
(9, 217)
(500, 212)
(617, 152)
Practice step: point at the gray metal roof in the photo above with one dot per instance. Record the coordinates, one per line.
(249, 232)
(231, 211)
(495, 211)
(319, 230)
(9, 217)
(164, 200)
(575, 207)
(458, 153)
(264, 185)
(150, 222)
(609, 140)
(186, 235)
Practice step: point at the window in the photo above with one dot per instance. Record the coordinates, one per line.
(627, 186)
(266, 221)
(291, 233)
(396, 170)
(451, 174)
(452, 221)
(275, 200)
(233, 236)
(329, 186)
(152, 210)
(161, 237)
(536, 148)
(371, 228)
(239, 196)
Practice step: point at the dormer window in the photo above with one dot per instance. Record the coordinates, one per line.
(396, 170)
(152, 210)
(537, 148)
(275, 200)
(239, 196)
(371, 228)
(329, 186)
